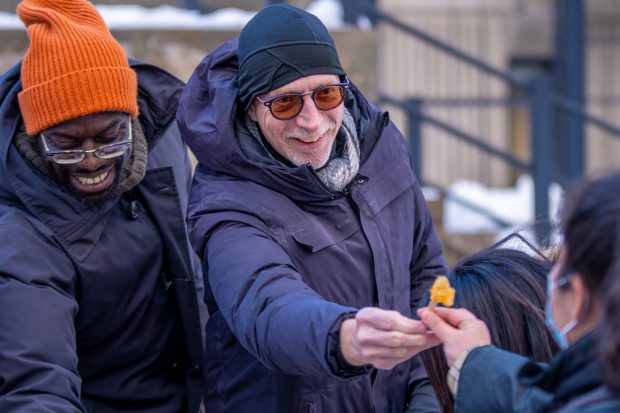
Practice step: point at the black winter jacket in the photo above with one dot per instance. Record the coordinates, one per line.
(285, 258)
(493, 380)
(98, 304)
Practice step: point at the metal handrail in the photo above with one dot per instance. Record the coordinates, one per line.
(540, 98)
(471, 206)
(574, 108)
(439, 44)
(560, 101)
(473, 101)
(470, 139)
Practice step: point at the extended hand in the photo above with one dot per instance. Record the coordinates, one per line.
(458, 330)
(383, 338)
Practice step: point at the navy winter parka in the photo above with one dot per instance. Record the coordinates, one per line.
(99, 307)
(285, 258)
(493, 380)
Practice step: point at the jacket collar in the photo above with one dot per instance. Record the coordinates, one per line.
(571, 373)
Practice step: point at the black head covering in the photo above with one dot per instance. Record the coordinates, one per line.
(279, 45)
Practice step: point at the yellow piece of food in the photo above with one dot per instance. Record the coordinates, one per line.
(441, 291)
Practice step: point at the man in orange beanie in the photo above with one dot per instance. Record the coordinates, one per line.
(101, 295)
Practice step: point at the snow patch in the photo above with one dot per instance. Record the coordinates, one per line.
(135, 17)
(513, 205)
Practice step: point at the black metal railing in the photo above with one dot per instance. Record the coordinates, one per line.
(539, 98)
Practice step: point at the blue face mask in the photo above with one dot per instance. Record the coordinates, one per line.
(559, 335)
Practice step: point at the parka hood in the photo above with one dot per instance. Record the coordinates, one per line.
(207, 114)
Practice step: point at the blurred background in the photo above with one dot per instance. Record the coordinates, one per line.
(504, 102)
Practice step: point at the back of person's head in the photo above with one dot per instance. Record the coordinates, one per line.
(609, 338)
(279, 45)
(73, 67)
(505, 288)
(591, 212)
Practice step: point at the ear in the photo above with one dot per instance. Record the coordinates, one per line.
(581, 296)
(252, 112)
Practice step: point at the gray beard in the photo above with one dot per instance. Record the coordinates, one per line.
(338, 171)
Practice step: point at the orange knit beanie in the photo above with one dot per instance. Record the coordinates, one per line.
(73, 67)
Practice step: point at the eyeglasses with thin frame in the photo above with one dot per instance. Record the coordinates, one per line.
(525, 242)
(72, 156)
(289, 105)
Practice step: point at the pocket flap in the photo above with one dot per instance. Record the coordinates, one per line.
(316, 236)
(388, 186)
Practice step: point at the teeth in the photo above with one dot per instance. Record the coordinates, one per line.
(311, 140)
(92, 181)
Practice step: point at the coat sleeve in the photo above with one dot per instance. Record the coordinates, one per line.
(272, 312)
(489, 383)
(427, 260)
(37, 335)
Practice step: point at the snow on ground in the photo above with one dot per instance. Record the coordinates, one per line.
(10, 21)
(134, 17)
(514, 205)
(329, 11)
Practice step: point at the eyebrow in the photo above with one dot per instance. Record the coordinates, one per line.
(114, 125)
(291, 92)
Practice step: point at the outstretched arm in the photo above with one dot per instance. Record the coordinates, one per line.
(272, 312)
(483, 378)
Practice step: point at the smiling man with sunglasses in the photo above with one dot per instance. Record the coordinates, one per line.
(99, 290)
(315, 238)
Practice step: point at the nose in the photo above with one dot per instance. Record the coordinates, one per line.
(91, 162)
(310, 117)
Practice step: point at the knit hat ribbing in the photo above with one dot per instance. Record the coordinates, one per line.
(279, 45)
(73, 67)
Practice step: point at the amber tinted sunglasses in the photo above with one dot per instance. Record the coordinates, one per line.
(289, 105)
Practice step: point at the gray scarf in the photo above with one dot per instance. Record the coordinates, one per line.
(339, 170)
(133, 170)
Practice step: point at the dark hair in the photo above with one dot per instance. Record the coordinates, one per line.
(609, 330)
(591, 213)
(609, 338)
(506, 289)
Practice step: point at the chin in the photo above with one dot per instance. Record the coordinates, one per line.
(317, 163)
(316, 159)
(98, 192)
(98, 197)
